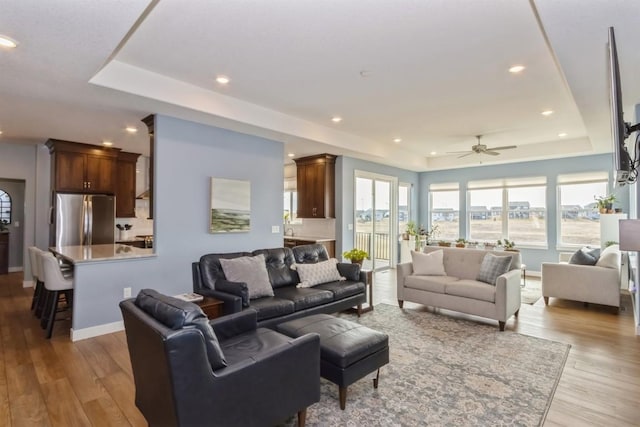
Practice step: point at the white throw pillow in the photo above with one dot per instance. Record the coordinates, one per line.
(320, 272)
(610, 257)
(251, 270)
(430, 264)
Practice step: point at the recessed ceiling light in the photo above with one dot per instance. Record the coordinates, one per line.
(137, 170)
(131, 129)
(0, 132)
(336, 119)
(397, 140)
(291, 155)
(433, 153)
(562, 134)
(547, 112)
(7, 42)
(107, 143)
(223, 80)
(516, 69)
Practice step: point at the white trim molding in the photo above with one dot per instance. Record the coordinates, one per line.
(94, 331)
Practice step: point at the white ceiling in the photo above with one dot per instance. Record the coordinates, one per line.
(435, 73)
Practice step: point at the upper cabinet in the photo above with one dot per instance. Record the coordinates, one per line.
(126, 185)
(82, 168)
(316, 186)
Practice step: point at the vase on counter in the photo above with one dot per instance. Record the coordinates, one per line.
(125, 235)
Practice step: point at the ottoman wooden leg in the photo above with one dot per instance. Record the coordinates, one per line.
(375, 380)
(302, 417)
(343, 397)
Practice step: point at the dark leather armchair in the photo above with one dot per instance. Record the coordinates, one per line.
(189, 371)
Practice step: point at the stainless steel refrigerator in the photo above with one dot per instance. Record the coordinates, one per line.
(84, 219)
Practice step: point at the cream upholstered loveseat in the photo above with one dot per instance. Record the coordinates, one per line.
(459, 290)
(596, 284)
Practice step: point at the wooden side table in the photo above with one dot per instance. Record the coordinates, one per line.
(369, 285)
(212, 307)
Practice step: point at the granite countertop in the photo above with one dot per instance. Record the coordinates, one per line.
(310, 238)
(94, 253)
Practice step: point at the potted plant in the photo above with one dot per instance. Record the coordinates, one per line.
(411, 230)
(444, 243)
(3, 225)
(461, 242)
(355, 255)
(605, 203)
(508, 245)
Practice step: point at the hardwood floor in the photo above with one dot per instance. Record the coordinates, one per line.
(59, 383)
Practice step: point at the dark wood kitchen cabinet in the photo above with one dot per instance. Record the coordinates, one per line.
(316, 186)
(82, 168)
(126, 185)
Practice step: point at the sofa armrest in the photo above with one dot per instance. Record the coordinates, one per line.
(229, 326)
(587, 283)
(239, 289)
(350, 271)
(402, 271)
(508, 296)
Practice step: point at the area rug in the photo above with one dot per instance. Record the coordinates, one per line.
(531, 293)
(444, 372)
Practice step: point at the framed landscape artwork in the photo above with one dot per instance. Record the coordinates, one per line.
(230, 206)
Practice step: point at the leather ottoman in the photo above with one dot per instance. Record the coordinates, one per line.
(348, 350)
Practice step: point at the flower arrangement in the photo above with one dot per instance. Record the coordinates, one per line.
(356, 255)
(506, 244)
(461, 242)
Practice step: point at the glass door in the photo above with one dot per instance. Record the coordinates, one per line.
(376, 229)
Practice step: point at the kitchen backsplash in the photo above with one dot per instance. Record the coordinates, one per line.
(313, 228)
(140, 224)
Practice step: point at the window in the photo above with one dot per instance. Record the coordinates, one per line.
(5, 207)
(290, 207)
(579, 218)
(510, 208)
(445, 210)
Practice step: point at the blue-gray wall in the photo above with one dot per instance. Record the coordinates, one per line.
(533, 258)
(187, 155)
(345, 180)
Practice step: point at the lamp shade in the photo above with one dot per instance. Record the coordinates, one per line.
(629, 234)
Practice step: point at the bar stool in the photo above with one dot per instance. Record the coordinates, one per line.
(55, 284)
(35, 274)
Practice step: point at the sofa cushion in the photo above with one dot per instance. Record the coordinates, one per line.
(304, 297)
(342, 289)
(211, 270)
(310, 254)
(245, 346)
(177, 314)
(585, 256)
(428, 283)
(269, 307)
(493, 266)
(279, 262)
(430, 264)
(251, 270)
(610, 257)
(320, 272)
(472, 289)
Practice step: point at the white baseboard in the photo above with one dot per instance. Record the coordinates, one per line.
(94, 331)
(27, 283)
(14, 269)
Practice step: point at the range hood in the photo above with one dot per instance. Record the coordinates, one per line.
(143, 196)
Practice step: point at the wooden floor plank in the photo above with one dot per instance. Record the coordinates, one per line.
(599, 386)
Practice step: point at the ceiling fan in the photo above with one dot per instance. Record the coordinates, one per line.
(482, 149)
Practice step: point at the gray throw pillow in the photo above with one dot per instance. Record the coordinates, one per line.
(251, 270)
(176, 314)
(585, 256)
(492, 267)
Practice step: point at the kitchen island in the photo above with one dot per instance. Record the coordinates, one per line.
(329, 243)
(99, 253)
(103, 275)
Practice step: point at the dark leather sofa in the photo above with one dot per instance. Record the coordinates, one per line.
(189, 371)
(288, 302)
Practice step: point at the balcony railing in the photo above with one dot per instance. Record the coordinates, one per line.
(381, 241)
